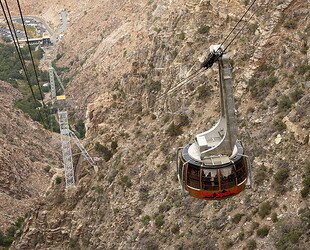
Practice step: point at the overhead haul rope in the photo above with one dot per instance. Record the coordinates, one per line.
(32, 60)
(237, 34)
(18, 49)
(212, 57)
(21, 58)
(238, 22)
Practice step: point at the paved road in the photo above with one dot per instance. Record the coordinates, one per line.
(63, 26)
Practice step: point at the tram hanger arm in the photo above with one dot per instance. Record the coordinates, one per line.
(212, 58)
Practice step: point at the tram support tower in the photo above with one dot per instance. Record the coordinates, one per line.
(66, 148)
(214, 166)
(60, 103)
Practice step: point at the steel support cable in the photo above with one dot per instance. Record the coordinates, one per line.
(184, 81)
(21, 58)
(193, 75)
(15, 39)
(237, 34)
(31, 56)
(238, 23)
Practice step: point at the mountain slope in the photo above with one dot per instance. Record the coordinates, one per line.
(121, 64)
(26, 157)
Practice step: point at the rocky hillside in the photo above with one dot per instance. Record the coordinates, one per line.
(123, 56)
(27, 159)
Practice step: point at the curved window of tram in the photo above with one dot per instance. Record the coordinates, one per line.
(216, 179)
(241, 170)
(210, 179)
(228, 177)
(193, 177)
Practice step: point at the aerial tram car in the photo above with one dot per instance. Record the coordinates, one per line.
(214, 166)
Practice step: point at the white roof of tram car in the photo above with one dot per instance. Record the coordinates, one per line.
(214, 48)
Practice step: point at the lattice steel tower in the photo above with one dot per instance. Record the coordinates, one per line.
(66, 148)
(60, 103)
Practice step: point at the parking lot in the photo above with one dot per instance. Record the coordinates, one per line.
(6, 32)
(39, 26)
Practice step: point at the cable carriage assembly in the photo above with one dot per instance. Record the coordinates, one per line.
(214, 166)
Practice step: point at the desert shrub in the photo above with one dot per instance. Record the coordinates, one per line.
(58, 56)
(306, 180)
(241, 236)
(60, 198)
(126, 181)
(236, 218)
(279, 125)
(114, 145)
(184, 120)
(264, 209)
(159, 220)
(154, 86)
(254, 225)
(98, 189)
(302, 69)
(80, 128)
(250, 110)
(146, 220)
(203, 91)
(47, 169)
(174, 130)
(304, 48)
(281, 176)
(58, 180)
(304, 192)
(253, 27)
(287, 234)
(182, 36)
(156, 29)
(260, 175)
(297, 94)
(251, 244)
(262, 231)
(285, 103)
(254, 91)
(274, 217)
(164, 207)
(175, 228)
(204, 29)
(107, 154)
(7, 239)
(270, 82)
(291, 24)
(228, 244)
